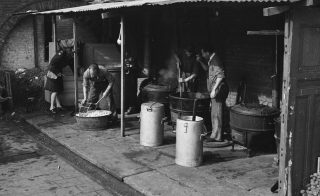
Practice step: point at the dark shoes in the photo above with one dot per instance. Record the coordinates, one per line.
(60, 109)
(53, 111)
(56, 110)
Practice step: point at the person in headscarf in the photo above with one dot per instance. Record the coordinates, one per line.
(54, 82)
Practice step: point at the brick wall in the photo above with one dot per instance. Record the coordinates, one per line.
(18, 50)
(250, 58)
(12, 26)
(41, 41)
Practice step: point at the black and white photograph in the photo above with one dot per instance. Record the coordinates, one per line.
(159, 97)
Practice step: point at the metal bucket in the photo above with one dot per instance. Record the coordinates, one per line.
(189, 147)
(151, 124)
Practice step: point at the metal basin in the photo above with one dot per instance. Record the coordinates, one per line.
(87, 121)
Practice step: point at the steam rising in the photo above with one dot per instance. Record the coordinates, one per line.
(169, 75)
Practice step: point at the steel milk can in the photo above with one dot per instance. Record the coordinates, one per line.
(189, 146)
(151, 124)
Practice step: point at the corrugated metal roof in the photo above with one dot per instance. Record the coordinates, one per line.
(138, 3)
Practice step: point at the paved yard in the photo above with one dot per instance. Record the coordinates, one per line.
(152, 170)
(28, 169)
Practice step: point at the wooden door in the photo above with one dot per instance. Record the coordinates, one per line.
(300, 125)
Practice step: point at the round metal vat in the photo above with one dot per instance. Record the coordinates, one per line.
(183, 106)
(253, 117)
(253, 125)
(157, 93)
(151, 125)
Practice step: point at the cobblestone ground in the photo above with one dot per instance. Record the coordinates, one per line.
(28, 169)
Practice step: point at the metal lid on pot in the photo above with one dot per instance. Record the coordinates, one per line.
(254, 109)
(152, 104)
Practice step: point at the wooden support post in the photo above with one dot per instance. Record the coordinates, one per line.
(275, 79)
(75, 68)
(35, 40)
(122, 76)
(285, 151)
(54, 33)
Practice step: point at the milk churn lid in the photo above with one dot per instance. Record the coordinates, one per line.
(254, 109)
(153, 104)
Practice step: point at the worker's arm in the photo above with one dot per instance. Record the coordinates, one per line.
(213, 93)
(109, 87)
(85, 86)
(192, 76)
(85, 94)
(107, 91)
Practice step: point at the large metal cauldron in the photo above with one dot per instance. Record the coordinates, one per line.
(183, 106)
(252, 125)
(157, 93)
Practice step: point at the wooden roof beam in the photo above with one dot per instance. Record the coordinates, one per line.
(107, 15)
(311, 2)
(271, 11)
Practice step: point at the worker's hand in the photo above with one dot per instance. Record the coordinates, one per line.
(198, 58)
(181, 80)
(213, 94)
(60, 75)
(51, 75)
(83, 101)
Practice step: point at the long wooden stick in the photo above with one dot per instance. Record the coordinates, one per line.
(179, 74)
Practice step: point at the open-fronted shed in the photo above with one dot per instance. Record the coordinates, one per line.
(299, 80)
